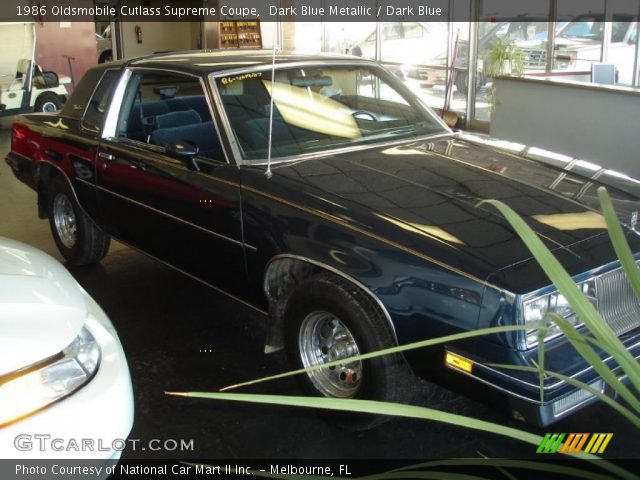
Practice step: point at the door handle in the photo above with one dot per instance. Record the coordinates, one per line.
(106, 156)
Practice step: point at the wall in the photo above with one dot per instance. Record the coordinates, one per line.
(594, 123)
(20, 37)
(158, 37)
(53, 42)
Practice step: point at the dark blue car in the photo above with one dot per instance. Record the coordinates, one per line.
(325, 194)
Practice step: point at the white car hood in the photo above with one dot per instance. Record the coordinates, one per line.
(42, 307)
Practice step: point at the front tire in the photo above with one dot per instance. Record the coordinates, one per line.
(79, 240)
(327, 318)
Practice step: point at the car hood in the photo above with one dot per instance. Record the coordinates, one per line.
(424, 197)
(42, 308)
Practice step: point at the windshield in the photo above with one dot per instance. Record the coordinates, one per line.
(320, 108)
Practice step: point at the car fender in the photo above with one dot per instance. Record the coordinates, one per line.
(281, 272)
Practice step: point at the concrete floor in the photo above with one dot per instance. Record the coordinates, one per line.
(166, 319)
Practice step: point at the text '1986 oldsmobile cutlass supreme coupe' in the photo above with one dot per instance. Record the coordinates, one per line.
(322, 191)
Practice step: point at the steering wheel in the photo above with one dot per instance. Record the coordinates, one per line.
(364, 113)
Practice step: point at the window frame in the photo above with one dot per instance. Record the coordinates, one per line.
(212, 77)
(99, 128)
(119, 99)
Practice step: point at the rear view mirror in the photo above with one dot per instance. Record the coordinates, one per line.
(317, 81)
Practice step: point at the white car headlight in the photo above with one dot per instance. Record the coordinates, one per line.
(535, 309)
(24, 393)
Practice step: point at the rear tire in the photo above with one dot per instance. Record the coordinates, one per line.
(48, 102)
(328, 318)
(79, 240)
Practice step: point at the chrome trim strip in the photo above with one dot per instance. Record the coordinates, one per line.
(348, 62)
(217, 289)
(193, 225)
(334, 151)
(492, 385)
(553, 385)
(217, 99)
(111, 122)
(334, 270)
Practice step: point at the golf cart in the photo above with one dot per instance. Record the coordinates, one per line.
(24, 86)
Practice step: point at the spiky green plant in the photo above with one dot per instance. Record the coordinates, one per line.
(598, 334)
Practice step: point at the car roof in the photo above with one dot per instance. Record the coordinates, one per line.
(209, 61)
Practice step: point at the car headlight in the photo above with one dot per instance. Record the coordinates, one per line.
(535, 309)
(43, 384)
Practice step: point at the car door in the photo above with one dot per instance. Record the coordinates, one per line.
(183, 211)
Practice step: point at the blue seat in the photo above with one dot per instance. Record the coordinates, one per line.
(191, 102)
(135, 129)
(177, 119)
(201, 134)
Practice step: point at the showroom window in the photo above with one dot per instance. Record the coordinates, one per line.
(420, 53)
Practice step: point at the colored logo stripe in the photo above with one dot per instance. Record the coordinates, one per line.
(552, 443)
(574, 443)
(598, 442)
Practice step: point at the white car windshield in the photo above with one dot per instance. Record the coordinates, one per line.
(320, 108)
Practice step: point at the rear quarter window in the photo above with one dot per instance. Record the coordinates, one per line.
(96, 107)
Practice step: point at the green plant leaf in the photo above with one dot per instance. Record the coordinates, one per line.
(542, 330)
(619, 240)
(561, 470)
(394, 409)
(380, 353)
(565, 285)
(628, 414)
(587, 352)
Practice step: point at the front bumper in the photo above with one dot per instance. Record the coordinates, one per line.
(92, 423)
(560, 399)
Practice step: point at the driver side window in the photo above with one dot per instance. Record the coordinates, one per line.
(163, 108)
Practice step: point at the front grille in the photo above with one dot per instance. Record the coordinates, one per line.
(535, 58)
(618, 303)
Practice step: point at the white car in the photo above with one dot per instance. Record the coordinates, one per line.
(65, 389)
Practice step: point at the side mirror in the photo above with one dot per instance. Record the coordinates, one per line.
(185, 151)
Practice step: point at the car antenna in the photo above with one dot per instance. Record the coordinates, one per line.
(268, 173)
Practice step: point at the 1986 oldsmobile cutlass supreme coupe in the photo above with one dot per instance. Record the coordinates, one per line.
(363, 233)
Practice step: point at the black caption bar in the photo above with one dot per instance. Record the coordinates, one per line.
(237, 469)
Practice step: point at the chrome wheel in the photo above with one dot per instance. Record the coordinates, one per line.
(323, 338)
(64, 219)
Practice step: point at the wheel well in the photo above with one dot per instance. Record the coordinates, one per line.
(46, 173)
(281, 276)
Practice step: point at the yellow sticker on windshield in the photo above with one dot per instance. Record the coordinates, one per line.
(244, 76)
